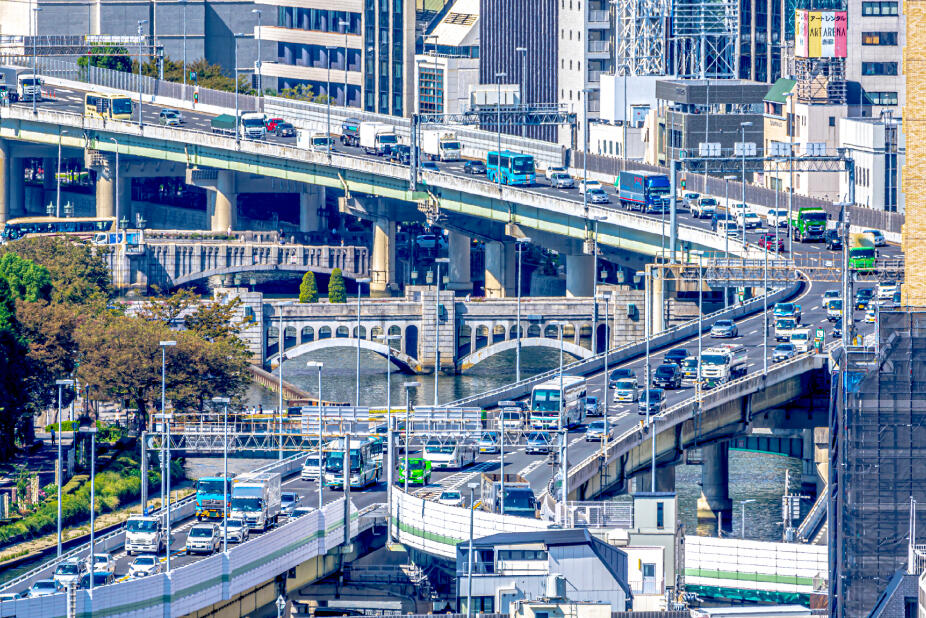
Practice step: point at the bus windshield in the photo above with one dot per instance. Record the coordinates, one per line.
(436, 447)
(522, 165)
(122, 106)
(546, 400)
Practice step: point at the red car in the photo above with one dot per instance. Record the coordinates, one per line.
(271, 123)
(768, 241)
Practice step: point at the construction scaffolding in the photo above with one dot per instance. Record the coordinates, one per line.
(642, 32)
(704, 38)
(877, 459)
(821, 81)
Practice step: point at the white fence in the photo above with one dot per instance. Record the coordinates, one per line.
(753, 565)
(437, 528)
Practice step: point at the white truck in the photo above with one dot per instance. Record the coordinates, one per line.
(251, 125)
(144, 535)
(256, 499)
(441, 145)
(802, 340)
(29, 86)
(377, 138)
(518, 497)
(723, 363)
(783, 328)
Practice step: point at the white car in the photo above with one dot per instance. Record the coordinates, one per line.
(310, 469)
(145, 565)
(42, 588)
(69, 572)
(555, 170)
(102, 563)
(886, 290)
(450, 498)
(748, 220)
(877, 237)
(298, 512)
(828, 296)
(203, 539)
(777, 218)
(238, 530)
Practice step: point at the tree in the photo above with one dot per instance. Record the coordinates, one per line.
(211, 320)
(15, 393)
(337, 293)
(169, 309)
(26, 279)
(78, 274)
(107, 57)
(308, 291)
(49, 330)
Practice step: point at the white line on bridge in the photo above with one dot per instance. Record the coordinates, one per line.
(531, 467)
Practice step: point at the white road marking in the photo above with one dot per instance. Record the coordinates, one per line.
(531, 467)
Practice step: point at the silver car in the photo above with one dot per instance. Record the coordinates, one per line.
(598, 196)
(203, 539)
(70, 572)
(561, 180)
(144, 565)
(238, 531)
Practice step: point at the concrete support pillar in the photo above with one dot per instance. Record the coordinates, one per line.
(460, 277)
(580, 276)
(665, 480)
(4, 182)
(125, 200)
(311, 199)
(49, 169)
(500, 270)
(808, 464)
(223, 203)
(715, 485)
(17, 186)
(106, 188)
(655, 301)
(383, 259)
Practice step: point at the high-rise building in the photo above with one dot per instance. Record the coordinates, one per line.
(876, 34)
(448, 68)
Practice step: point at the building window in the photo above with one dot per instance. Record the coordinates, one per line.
(431, 90)
(483, 605)
(660, 515)
(880, 98)
(521, 554)
(879, 8)
(832, 121)
(879, 68)
(879, 38)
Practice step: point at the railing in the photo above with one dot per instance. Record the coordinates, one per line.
(812, 520)
(598, 46)
(595, 515)
(599, 17)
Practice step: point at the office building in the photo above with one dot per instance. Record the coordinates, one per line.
(192, 28)
(876, 34)
(448, 69)
(877, 147)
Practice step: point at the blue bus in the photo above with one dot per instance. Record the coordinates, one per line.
(515, 168)
(643, 191)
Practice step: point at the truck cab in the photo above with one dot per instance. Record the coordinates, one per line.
(144, 535)
(252, 125)
(809, 224)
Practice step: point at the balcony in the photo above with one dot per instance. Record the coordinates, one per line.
(599, 47)
(599, 19)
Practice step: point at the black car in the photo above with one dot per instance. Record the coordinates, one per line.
(284, 129)
(837, 329)
(474, 167)
(667, 376)
(833, 240)
(676, 356)
(863, 297)
(400, 154)
(621, 374)
(720, 216)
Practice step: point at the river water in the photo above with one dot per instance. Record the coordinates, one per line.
(756, 476)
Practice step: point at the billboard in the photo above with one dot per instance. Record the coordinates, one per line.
(820, 34)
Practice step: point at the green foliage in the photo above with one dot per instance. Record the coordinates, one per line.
(107, 57)
(27, 280)
(7, 306)
(207, 75)
(308, 291)
(337, 292)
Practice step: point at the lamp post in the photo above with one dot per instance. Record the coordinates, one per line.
(61, 384)
(743, 504)
(318, 365)
(345, 25)
(390, 464)
(281, 345)
(360, 283)
(237, 114)
(564, 434)
(605, 381)
(260, 32)
(469, 585)
(408, 387)
(498, 114)
(113, 139)
(585, 92)
(92, 431)
(141, 116)
(165, 447)
(183, 2)
(437, 262)
(790, 123)
(329, 49)
(523, 52)
(743, 126)
(726, 233)
(35, 75)
(520, 246)
(224, 401)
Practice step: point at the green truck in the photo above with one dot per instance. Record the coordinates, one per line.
(223, 124)
(862, 254)
(419, 471)
(808, 224)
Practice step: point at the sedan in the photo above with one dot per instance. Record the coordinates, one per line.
(144, 565)
(286, 129)
(625, 390)
(100, 578)
(724, 328)
(103, 563)
(288, 501)
(488, 443)
(667, 376)
(657, 401)
(203, 538)
(170, 118)
(43, 587)
(598, 196)
(238, 531)
(592, 406)
(676, 356)
(772, 243)
(783, 352)
(555, 170)
(595, 431)
(450, 498)
(537, 442)
(474, 167)
(560, 180)
(690, 199)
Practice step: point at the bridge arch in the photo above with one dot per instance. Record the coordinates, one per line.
(235, 269)
(400, 359)
(470, 360)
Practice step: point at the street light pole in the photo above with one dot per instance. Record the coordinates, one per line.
(791, 123)
(408, 387)
(437, 263)
(224, 401)
(743, 504)
(92, 432)
(260, 32)
(281, 345)
(183, 2)
(520, 245)
(498, 127)
(141, 116)
(113, 139)
(743, 126)
(523, 52)
(165, 449)
(329, 49)
(605, 381)
(61, 384)
(35, 76)
(472, 509)
(726, 234)
(360, 283)
(237, 114)
(321, 455)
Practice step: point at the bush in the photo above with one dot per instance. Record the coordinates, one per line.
(308, 291)
(337, 292)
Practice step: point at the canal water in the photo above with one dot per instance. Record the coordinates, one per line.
(755, 476)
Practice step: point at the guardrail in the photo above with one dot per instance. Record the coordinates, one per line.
(179, 511)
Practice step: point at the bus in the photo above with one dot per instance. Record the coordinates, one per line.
(364, 470)
(108, 106)
(515, 168)
(449, 453)
(546, 398)
(81, 227)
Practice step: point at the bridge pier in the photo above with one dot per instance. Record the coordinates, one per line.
(311, 200)
(382, 271)
(223, 202)
(665, 480)
(460, 276)
(16, 183)
(500, 269)
(4, 181)
(715, 485)
(580, 276)
(105, 168)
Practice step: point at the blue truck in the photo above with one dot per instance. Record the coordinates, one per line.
(643, 191)
(210, 494)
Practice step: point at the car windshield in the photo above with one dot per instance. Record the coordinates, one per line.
(145, 561)
(450, 495)
(665, 371)
(141, 525)
(625, 385)
(197, 532)
(784, 307)
(596, 426)
(723, 323)
(785, 323)
(655, 394)
(488, 437)
(45, 584)
(591, 400)
(68, 568)
(836, 305)
(690, 363)
(416, 464)
(100, 558)
(235, 523)
(865, 293)
(596, 191)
